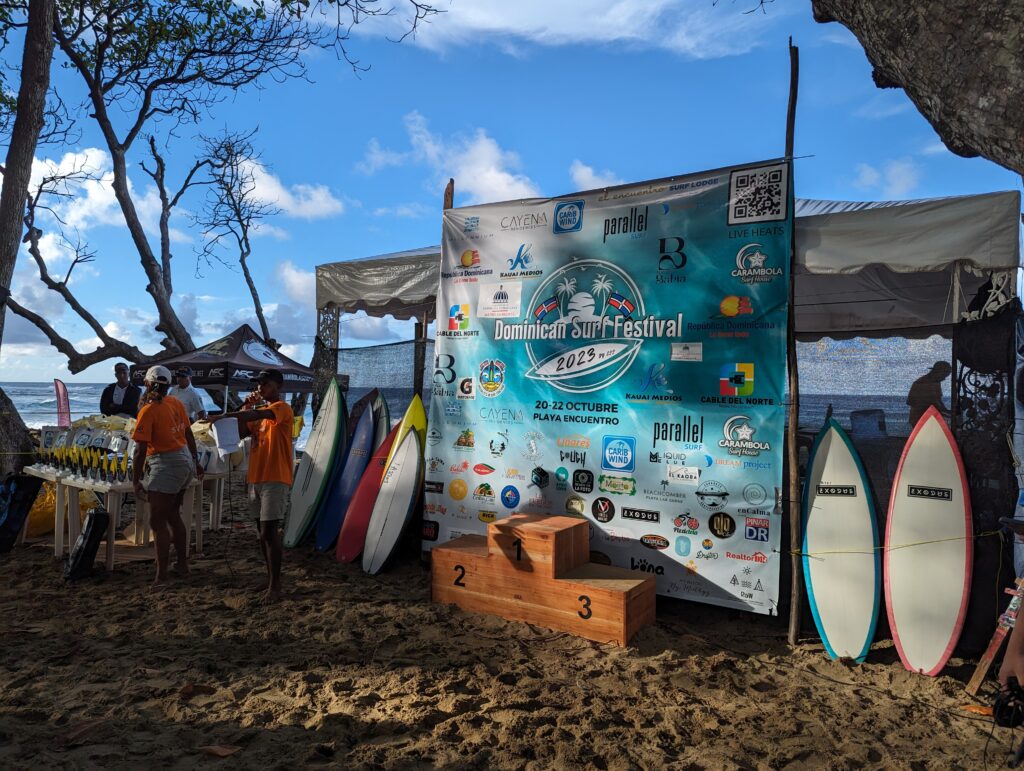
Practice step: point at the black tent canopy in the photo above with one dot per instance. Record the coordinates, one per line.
(231, 361)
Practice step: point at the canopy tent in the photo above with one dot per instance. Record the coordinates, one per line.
(231, 361)
(863, 268)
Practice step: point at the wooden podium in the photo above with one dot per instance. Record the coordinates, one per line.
(536, 568)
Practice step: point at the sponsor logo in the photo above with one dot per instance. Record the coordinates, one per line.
(738, 438)
(519, 266)
(757, 557)
(561, 478)
(640, 515)
(574, 440)
(644, 566)
(500, 301)
(654, 541)
(458, 468)
(504, 415)
(752, 266)
(431, 530)
(452, 409)
(487, 516)
(721, 525)
(687, 352)
(538, 477)
(458, 323)
(444, 368)
(467, 269)
(682, 546)
(216, 372)
(756, 529)
(433, 487)
(685, 525)
(632, 224)
(602, 509)
(466, 390)
(934, 493)
(483, 469)
(736, 379)
(509, 497)
(707, 543)
(498, 444)
(483, 492)
(538, 502)
(671, 261)
(689, 432)
(492, 377)
(470, 224)
(733, 306)
(618, 453)
(844, 490)
(668, 457)
(458, 489)
(433, 436)
(513, 473)
(654, 387)
(583, 481)
(572, 456)
(575, 505)
(532, 452)
(712, 495)
(568, 217)
(683, 475)
(706, 555)
(755, 494)
(465, 441)
(528, 221)
(608, 483)
(435, 465)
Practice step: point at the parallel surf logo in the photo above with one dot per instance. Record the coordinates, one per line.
(752, 266)
(588, 324)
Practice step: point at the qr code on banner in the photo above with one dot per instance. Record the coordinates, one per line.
(758, 195)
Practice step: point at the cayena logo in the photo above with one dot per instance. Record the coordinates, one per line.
(519, 266)
(528, 221)
(467, 268)
(751, 267)
(587, 327)
(568, 217)
(738, 438)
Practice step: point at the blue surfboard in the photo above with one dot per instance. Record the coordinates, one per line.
(347, 476)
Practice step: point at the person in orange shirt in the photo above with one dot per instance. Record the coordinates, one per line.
(166, 449)
(268, 420)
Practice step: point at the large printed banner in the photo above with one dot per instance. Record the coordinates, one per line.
(620, 356)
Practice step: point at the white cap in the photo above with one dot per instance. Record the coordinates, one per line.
(158, 374)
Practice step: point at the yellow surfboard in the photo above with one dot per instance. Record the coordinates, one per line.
(415, 419)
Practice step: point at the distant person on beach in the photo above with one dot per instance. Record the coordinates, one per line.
(268, 420)
(166, 449)
(927, 392)
(121, 397)
(186, 393)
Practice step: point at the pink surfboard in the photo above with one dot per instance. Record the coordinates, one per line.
(357, 518)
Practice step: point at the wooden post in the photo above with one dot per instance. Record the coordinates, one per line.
(419, 358)
(792, 455)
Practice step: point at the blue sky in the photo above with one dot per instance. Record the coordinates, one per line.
(510, 99)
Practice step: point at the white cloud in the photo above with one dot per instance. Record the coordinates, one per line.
(303, 201)
(934, 148)
(884, 105)
(894, 180)
(377, 158)
(370, 328)
(585, 178)
(298, 284)
(692, 29)
(402, 210)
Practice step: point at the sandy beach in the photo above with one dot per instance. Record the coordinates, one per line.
(354, 671)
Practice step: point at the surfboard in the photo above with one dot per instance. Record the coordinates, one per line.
(365, 404)
(415, 419)
(346, 478)
(399, 491)
(842, 563)
(928, 547)
(326, 441)
(357, 518)
(382, 419)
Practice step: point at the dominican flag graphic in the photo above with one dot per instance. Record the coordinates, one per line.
(545, 308)
(620, 303)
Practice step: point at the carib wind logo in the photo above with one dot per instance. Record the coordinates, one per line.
(584, 326)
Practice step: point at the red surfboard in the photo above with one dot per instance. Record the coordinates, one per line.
(357, 518)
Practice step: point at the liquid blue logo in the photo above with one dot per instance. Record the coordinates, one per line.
(568, 217)
(618, 453)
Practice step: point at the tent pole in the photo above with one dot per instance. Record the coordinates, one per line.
(792, 455)
(420, 352)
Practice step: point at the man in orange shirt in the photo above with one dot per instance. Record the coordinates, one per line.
(268, 420)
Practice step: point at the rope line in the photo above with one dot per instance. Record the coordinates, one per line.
(816, 554)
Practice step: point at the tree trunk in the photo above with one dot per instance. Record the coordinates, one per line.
(961, 64)
(28, 122)
(17, 449)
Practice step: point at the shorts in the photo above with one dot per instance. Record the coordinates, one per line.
(169, 472)
(268, 501)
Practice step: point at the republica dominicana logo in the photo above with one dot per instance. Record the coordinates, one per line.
(738, 438)
(588, 324)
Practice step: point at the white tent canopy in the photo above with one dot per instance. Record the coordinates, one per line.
(862, 267)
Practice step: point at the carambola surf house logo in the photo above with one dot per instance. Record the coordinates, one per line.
(752, 266)
(738, 438)
(585, 327)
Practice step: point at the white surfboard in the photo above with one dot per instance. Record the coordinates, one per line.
(842, 563)
(928, 547)
(399, 491)
(314, 471)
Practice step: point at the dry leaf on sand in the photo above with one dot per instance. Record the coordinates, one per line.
(196, 689)
(220, 750)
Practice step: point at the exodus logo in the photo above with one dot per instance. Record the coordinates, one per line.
(483, 492)
(738, 438)
(756, 529)
(671, 261)
(568, 217)
(688, 432)
(846, 490)
(645, 567)
(502, 415)
(686, 525)
(458, 323)
(633, 223)
(467, 269)
(618, 453)
(492, 377)
(583, 481)
(722, 525)
(934, 493)
(640, 515)
(654, 541)
(757, 557)
(528, 221)
(751, 266)
(518, 266)
(609, 483)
